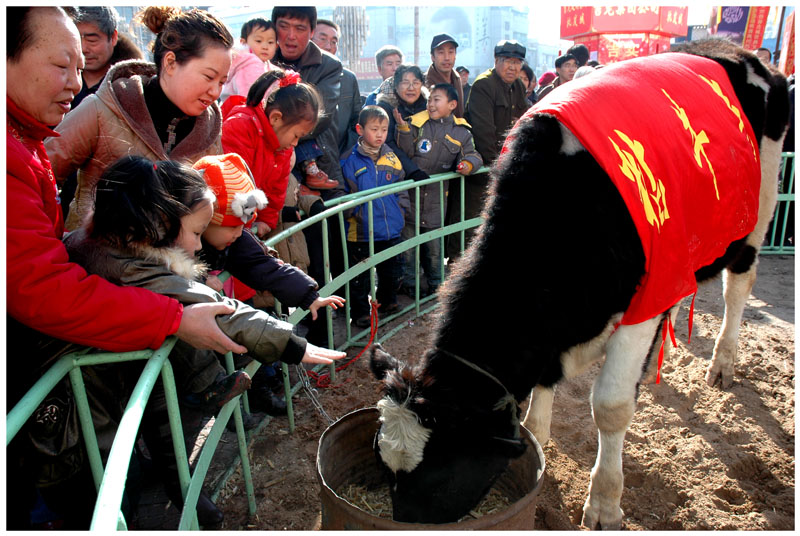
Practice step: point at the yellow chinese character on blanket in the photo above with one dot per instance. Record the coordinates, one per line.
(652, 193)
(698, 140)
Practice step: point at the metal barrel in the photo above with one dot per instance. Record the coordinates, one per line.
(345, 456)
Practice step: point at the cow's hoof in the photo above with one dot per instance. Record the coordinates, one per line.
(595, 518)
(717, 374)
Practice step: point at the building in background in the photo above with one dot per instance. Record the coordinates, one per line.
(476, 28)
(140, 35)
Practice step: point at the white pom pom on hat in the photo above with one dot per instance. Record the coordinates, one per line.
(238, 200)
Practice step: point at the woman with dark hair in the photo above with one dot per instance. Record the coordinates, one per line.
(46, 294)
(164, 110)
(528, 78)
(404, 94)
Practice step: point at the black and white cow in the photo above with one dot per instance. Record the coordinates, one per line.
(541, 294)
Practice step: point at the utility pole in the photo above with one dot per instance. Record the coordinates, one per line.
(779, 37)
(416, 35)
(354, 25)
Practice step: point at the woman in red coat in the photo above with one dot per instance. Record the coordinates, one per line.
(44, 290)
(47, 294)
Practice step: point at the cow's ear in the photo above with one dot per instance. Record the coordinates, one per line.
(381, 362)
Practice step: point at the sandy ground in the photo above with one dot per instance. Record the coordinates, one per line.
(695, 457)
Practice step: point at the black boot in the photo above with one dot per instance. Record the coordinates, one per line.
(208, 515)
(263, 400)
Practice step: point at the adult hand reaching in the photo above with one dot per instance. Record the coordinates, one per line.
(315, 354)
(199, 328)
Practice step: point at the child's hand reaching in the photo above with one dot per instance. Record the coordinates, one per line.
(398, 118)
(464, 167)
(214, 282)
(316, 355)
(333, 301)
(262, 229)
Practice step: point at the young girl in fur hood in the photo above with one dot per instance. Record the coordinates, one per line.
(144, 232)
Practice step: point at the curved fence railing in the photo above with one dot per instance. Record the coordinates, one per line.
(109, 479)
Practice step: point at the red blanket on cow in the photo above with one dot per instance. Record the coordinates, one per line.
(671, 134)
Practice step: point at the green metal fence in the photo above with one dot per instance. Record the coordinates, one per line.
(110, 479)
(780, 236)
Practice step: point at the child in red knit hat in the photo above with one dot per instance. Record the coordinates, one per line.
(229, 244)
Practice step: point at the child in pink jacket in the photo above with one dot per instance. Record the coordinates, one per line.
(252, 59)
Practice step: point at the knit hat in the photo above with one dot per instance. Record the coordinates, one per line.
(231, 181)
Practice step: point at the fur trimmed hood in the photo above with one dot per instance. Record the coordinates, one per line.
(135, 261)
(173, 258)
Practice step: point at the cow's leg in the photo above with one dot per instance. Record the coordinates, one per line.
(573, 362)
(613, 405)
(739, 278)
(540, 413)
(736, 289)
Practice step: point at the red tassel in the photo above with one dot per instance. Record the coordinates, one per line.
(672, 332)
(661, 350)
(691, 318)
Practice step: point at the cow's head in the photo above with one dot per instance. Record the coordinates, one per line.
(441, 461)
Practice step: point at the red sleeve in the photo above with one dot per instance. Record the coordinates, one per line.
(241, 136)
(50, 294)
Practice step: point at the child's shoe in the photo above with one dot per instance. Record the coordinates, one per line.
(226, 388)
(305, 190)
(317, 179)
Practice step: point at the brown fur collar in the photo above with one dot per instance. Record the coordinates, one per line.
(175, 259)
(122, 90)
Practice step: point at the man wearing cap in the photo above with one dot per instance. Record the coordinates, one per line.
(566, 66)
(443, 59)
(496, 100)
(463, 72)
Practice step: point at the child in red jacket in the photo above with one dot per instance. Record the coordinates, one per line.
(280, 109)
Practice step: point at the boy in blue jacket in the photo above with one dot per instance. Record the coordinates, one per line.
(370, 164)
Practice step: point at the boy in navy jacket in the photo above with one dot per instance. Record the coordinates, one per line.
(371, 164)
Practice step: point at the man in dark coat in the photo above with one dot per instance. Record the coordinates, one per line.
(497, 99)
(296, 51)
(326, 36)
(295, 26)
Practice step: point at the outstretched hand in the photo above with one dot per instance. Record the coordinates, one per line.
(398, 118)
(316, 355)
(199, 328)
(334, 301)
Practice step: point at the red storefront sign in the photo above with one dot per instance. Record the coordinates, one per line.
(579, 21)
(786, 63)
(615, 33)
